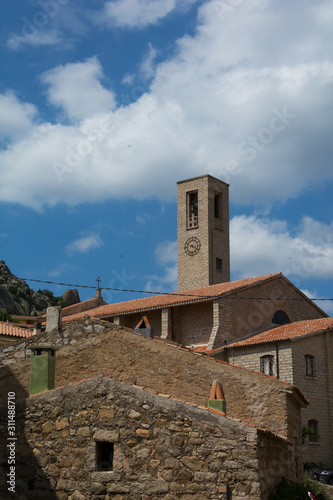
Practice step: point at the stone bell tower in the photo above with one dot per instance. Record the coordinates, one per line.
(203, 232)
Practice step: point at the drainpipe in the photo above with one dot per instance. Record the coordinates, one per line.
(277, 361)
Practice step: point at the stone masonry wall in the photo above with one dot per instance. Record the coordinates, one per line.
(253, 315)
(198, 270)
(319, 390)
(163, 449)
(89, 346)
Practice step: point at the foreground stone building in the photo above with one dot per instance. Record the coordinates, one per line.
(148, 420)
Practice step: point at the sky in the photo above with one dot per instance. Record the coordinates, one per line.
(105, 105)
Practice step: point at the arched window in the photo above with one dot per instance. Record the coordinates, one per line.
(280, 318)
(314, 426)
(310, 365)
(267, 364)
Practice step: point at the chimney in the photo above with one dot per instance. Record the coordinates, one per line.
(42, 368)
(98, 294)
(53, 318)
(216, 399)
(37, 327)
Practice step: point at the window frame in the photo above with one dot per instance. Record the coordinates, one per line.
(281, 318)
(267, 358)
(219, 264)
(314, 425)
(310, 366)
(192, 209)
(217, 205)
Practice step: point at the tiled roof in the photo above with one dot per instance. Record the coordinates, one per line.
(177, 298)
(288, 331)
(12, 330)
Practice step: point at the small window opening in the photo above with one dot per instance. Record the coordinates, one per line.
(309, 365)
(280, 318)
(218, 264)
(267, 365)
(217, 205)
(104, 456)
(192, 209)
(314, 426)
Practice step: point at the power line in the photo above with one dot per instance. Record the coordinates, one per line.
(177, 294)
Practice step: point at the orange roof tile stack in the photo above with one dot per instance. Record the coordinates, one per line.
(177, 298)
(288, 331)
(12, 330)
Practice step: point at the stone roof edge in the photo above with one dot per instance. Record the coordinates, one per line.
(167, 396)
(174, 345)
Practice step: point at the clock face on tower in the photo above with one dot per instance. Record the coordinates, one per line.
(192, 246)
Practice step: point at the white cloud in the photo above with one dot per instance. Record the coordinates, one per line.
(76, 88)
(254, 110)
(166, 256)
(16, 117)
(34, 38)
(260, 245)
(147, 66)
(85, 244)
(135, 13)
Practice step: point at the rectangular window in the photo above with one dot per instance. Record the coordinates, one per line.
(218, 264)
(192, 209)
(309, 365)
(217, 205)
(104, 456)
(267, 365)
(314, 433)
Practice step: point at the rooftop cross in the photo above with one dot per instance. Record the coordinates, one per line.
(98, 282)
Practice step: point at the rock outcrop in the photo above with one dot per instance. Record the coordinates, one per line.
(16, 297)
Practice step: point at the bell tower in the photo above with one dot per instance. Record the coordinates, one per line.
(203, 232)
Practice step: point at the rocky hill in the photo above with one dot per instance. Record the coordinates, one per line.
(16, 297)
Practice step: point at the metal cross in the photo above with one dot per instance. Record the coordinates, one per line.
(98, 282)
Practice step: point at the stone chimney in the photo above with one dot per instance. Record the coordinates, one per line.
(42, 368)
(53, 318)
(98, 294)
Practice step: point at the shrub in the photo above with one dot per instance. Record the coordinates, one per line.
(289, 490)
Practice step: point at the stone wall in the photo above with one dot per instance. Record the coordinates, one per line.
(249, 316)
(318, 388)
(199, 270)
(163, 449)
(89, 346)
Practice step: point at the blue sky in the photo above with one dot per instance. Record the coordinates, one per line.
(105, 105)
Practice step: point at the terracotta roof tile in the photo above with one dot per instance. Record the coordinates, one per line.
(288, 331)
(12, 330)
(177, 298)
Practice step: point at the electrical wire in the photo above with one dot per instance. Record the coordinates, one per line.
(177, 294)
